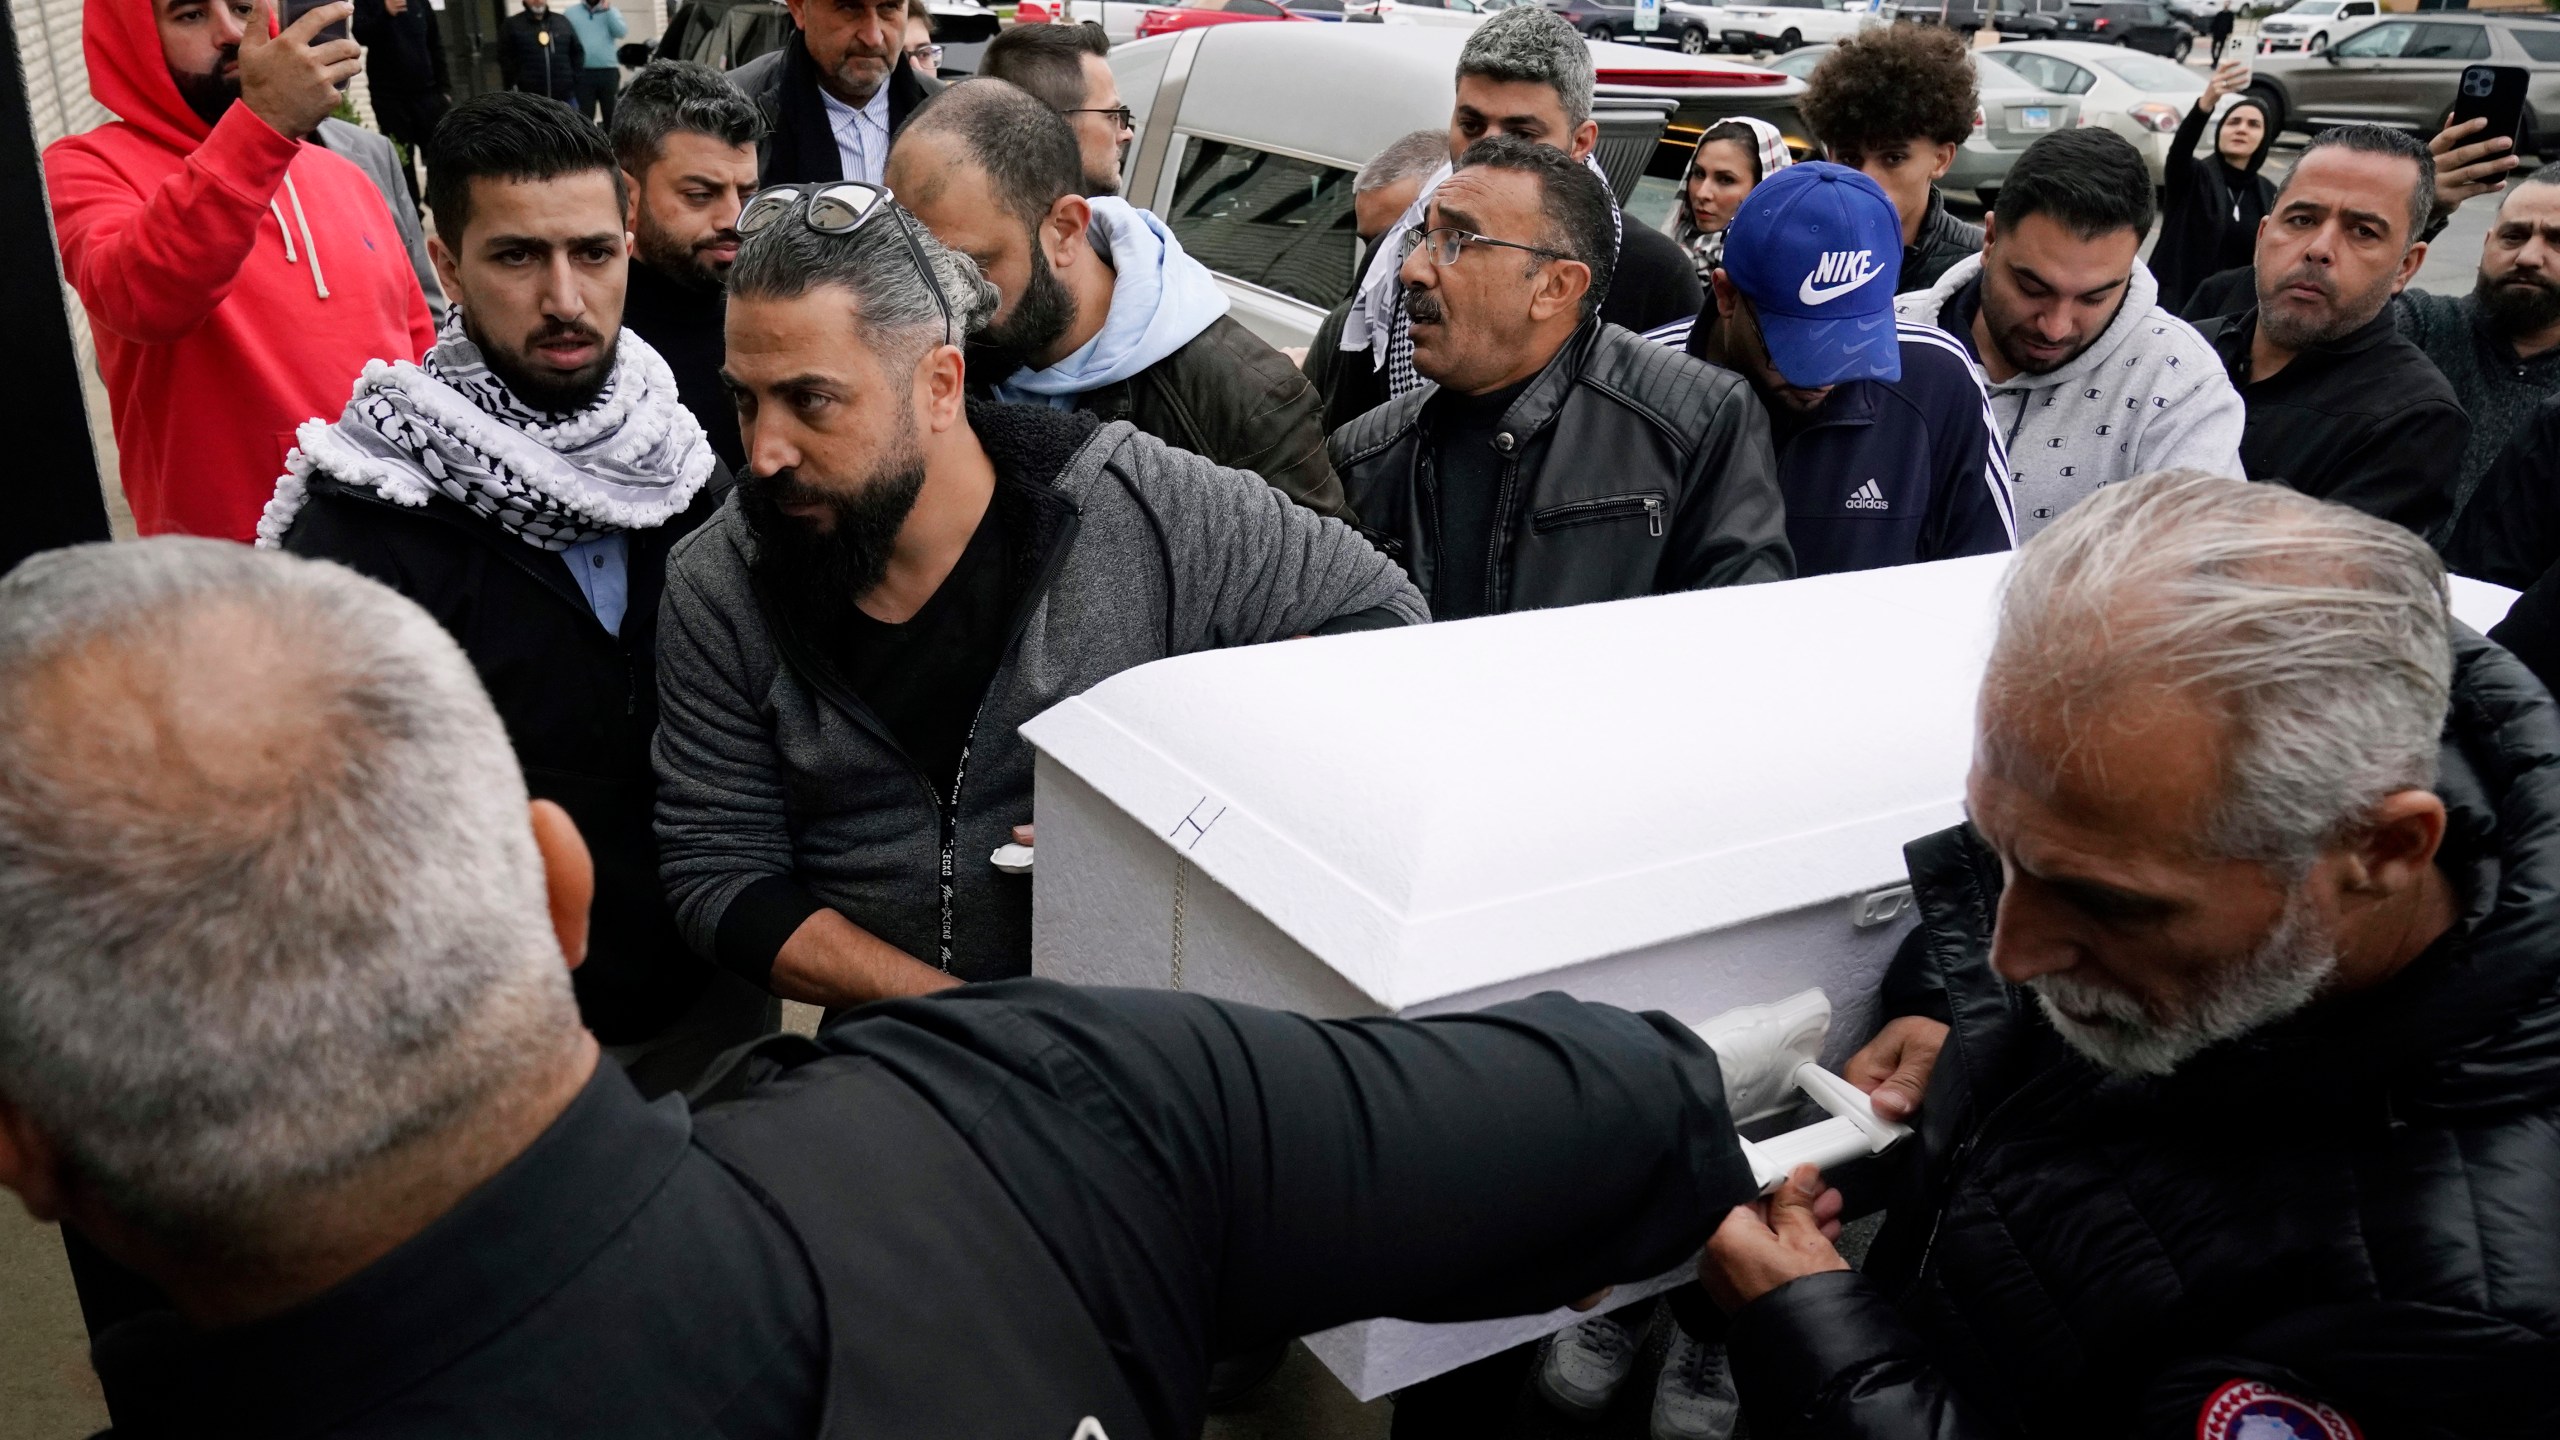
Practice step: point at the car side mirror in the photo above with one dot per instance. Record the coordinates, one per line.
(2329, 54)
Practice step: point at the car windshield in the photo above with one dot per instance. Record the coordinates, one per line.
(2152, 73)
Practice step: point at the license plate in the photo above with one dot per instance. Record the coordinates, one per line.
(2035, 117)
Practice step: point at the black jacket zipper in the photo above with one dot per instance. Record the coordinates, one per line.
(1648, 503)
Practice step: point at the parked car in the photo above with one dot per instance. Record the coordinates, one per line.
(1698, 27)
(1786, 24)
(1119, 19)
(2029, 19)
(1452, 14)
(2014, 112)
(1965, 16)
(1190, 14)
(1249, 135)
(2141, 97)
(2400, 70)
(2309, 25)
(2134, 24)
(1613, 20)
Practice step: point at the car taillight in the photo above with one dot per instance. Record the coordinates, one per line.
(1692, 79)
(2153, 116)
(2101, 25)
(1978, 121)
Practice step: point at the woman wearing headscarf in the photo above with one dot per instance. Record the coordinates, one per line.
(1733, 157)
(2209, 216)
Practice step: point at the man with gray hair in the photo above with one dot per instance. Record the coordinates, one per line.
(905, 576)
(2230, 1024)
(1526, 73)
(2341, 404)
(1347, 381)
(286, 1030)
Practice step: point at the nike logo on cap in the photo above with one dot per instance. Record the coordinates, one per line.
(1840, 272)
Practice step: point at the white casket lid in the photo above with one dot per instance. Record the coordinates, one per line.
(1437, 809)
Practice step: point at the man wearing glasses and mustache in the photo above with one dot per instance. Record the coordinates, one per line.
(1553, 458)
(525, 484)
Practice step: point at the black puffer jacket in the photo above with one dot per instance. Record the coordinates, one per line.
(2356, 1206)
(540, 54)
(1632, 469)
(1943, 239)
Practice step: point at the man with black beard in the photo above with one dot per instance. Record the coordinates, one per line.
(2340, 404)
(237, 277)
(2500, 344)
(1103, 311)
(525, 484)
(2227, 1030)
(849, 650)
(686, 140)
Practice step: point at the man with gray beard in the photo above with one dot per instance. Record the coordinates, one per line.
(2229, 1025)
(2341, 404)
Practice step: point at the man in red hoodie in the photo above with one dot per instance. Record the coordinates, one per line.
(236, 278)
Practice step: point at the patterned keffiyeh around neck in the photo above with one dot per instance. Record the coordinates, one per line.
(1707, 251)
(631, 460)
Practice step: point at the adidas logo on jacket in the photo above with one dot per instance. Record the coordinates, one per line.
(2148, 395)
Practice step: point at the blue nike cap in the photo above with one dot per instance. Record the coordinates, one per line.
(1817, 249)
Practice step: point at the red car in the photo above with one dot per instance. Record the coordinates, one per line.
(1195, 13)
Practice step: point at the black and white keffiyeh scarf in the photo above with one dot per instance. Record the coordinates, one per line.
(631, 460)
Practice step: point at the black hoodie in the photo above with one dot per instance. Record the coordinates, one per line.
(2209, 220)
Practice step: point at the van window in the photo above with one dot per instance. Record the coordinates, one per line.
(1269, 220)
(2538, 43)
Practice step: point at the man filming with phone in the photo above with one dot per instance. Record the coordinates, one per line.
(237, 278)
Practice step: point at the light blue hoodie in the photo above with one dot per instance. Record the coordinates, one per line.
(1160, 301)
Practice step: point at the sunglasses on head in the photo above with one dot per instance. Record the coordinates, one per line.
(840, 208)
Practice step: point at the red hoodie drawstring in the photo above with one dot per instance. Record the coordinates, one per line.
(310, 250)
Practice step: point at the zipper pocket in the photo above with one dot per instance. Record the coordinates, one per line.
(1608, 507)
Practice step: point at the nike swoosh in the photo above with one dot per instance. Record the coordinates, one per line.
(1813, 294)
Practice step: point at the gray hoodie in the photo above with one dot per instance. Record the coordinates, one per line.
(779, 792)
(2148, 395)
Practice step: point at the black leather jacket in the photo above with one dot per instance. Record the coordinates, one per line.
(1633, 470)
(1229, 397)
(2354, 1206)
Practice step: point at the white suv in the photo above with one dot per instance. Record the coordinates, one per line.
(2309, 25)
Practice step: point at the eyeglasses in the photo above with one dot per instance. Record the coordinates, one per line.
(1122, 117)
(1448, 242)
(840, 209)
(930, 54)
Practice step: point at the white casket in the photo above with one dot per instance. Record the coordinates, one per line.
(1685, 803)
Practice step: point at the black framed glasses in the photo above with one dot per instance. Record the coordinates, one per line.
(840, 208)
(1448, 242)
(1122, 117)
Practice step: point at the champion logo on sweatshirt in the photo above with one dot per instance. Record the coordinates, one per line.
(1838, 273)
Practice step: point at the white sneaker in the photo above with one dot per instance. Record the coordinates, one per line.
(1585, 1365)
(1694, 1399)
